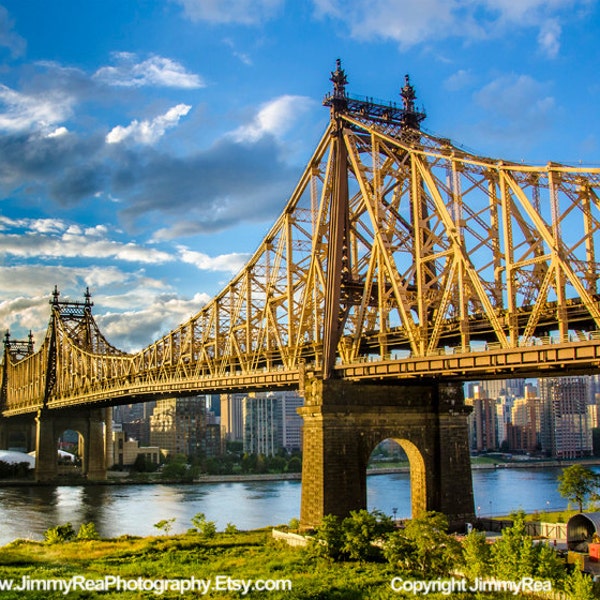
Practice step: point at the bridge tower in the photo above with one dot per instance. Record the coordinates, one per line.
(343, 419)
(93, 424)
(42, 429)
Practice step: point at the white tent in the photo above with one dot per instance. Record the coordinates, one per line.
(13, 458)
(62, 454)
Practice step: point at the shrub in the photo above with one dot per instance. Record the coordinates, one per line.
(87, 531)
(424, 546)
(207, 529)
(166, 525)
(231, 528)
(59, 534)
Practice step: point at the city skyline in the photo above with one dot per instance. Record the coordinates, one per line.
(148, 148)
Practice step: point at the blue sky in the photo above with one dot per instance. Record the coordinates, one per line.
(146, 147)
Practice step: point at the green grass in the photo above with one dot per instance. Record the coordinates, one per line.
(242, 556)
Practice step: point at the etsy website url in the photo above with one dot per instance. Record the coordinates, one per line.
(79, 583)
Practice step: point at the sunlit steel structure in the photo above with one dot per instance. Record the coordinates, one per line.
(399, 257)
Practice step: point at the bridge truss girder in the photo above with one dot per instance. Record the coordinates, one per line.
(440, 249)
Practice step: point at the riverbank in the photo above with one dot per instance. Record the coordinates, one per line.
(126, 478)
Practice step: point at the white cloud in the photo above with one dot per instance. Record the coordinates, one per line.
(59, 131)
(52, 238)
(23, 112)
(8, 37)
(274, 118)
(459, 80)
(516, 97)
(154, 71)
(157, 314)
(549, 38)
(408, 22)
(148, 132)
(225, 262)
(246, 12)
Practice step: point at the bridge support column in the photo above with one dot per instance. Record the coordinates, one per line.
(344, 421)
(46, 455)
(95, 446)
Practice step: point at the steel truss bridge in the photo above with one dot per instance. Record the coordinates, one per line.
(398, 256)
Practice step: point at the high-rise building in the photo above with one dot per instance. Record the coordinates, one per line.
(232, 417)
(271, 422)
(565, 431)
(178, 426)
(526, 421)
(262, 424)
(483, 429)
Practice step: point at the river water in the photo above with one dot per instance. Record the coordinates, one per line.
(27, 511)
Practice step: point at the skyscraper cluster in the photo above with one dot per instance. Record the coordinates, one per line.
(552, 417)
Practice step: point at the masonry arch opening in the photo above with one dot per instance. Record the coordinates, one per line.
(70, 448)
(396, 483)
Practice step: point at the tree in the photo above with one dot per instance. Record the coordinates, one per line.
(424, 546)
(515, 555)
(207, 529)
(60, 533)
(88, 531)
(476, 555)
(328, 539)
(165, 525)
(361, 529)
(579, 586)
(578, 483)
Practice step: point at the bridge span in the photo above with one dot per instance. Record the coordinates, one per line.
(400, 267)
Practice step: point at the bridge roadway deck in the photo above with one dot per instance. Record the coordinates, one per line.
(569, 358)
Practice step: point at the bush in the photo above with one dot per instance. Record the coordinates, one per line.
(206, 529)
(59, 534)
(351, 538)
(424, 546)
(231, 528)
(88, 531)
(165, 525)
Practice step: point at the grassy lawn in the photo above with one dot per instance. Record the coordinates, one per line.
(251, 555)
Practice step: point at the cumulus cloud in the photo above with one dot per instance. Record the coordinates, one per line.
(549, 38)
(155, 71)
(409, 23)
(246, 12)
(26, 112)
(225, 262)
(275, 118)
(209, 191)
(161, 312)
(52, 238)
(148, 132)
(518, 109)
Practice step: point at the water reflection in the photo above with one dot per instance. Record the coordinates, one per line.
(133, 509)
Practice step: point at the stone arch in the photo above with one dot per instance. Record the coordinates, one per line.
(344, 421)
(89, 423)
(418, 479)
(417, 472)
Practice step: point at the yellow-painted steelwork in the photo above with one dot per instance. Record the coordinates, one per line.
(398, 256)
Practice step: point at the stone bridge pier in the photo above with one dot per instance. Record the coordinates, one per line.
(94, 428)
(344, 421)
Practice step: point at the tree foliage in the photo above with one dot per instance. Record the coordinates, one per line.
(424, 546)
(165, 525)
(477, 555)
(59, 534)
(515, 555)
(577, 484)
(207, 529)
(357, 537)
